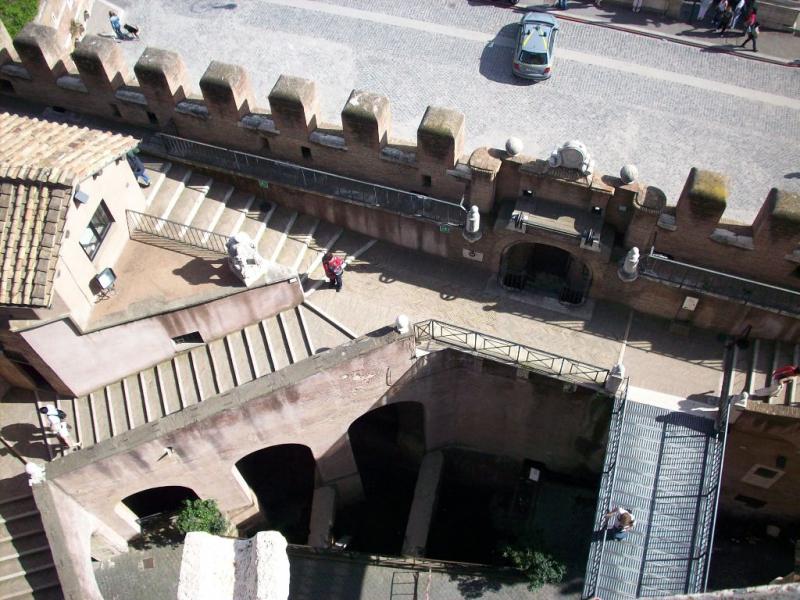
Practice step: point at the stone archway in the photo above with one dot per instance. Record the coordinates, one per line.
(282, 478)
(158, 500)
(545, 269)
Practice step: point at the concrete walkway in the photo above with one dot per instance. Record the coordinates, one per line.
(773, 46)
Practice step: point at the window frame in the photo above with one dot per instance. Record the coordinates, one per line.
(102, 208)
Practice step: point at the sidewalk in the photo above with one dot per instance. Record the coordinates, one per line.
(773, 46)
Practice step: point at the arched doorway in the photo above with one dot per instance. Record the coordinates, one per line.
(157, 501)
(282, 478)
(545, 269)
(388, 445)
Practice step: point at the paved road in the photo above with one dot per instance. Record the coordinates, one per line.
(661, 105)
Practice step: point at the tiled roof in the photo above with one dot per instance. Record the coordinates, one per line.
(32, 215)
(74, 152)
(40, 161)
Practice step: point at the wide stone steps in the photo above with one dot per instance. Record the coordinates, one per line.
(26, 564)
(282, 235)
(755, 365)
(197, 374)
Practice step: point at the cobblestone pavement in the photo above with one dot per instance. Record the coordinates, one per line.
(663, 106)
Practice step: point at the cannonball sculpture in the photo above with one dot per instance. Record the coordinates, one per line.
(514, 146)
(628, 174)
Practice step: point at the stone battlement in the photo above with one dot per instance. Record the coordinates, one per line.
(156, 93)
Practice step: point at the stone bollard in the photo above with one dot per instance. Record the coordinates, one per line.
(629, 269)
(615, 378)
(472, 228)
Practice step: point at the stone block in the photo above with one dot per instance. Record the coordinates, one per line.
(484, 164)
(226, 90)
(101, 63)
(778, 222)
(162, 78)
(366, 120)
(7, 51)
(41, 51)
(702, 201)
(440, 136)
(294, 105)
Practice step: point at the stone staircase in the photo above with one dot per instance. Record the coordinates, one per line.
(755, 365)
(203, 370)
(26, 565)
(192, 376)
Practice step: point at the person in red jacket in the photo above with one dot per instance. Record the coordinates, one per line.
(334, 267)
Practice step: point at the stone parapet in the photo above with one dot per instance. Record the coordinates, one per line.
(38, 67)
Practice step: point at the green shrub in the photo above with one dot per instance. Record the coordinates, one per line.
(15, 14)
(538, 567)
(201, 515)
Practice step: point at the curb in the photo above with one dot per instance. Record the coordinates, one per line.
(764, 58)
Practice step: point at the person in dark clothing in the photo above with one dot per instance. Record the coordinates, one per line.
(334, 267)
(752, 34)
(725, 20)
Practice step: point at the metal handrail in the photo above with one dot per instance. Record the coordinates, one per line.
(510, 352)
(723, 285)
(596, 555)
(351, 190)
(185, 235)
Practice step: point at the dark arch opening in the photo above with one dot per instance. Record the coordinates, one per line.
(282, 478)
(545, 269)
(388, 445)
(159, 500)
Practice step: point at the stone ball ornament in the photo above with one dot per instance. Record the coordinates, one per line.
(514, 146)
(628, 174)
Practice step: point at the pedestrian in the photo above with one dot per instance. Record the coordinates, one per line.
(561, 4)
(57, 425)
(704, 6)
(725, 20)
(334, 267)
(618, 522)
(637, 5)
(721, 6)
(137, 166)
(737, 13)
(752, 34)
(116, 25)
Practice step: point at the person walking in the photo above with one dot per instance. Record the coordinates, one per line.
(116, 25)
(619, 523)
(58, 426)
(333, 267)
(725, 20)
(737, 13)
(721, 6)
(637, 5)
(704, 6)
(752, 34)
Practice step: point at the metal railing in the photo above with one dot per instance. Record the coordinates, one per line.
(141, 226)
(344, 188)
(597, 551)
(714, 283)
(510, 352)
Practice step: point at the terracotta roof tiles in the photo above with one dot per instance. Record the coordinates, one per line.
(40, 162)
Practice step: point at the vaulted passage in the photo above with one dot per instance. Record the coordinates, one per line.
(159, 500)
(545, 269)
(282, 478)
(388, 444)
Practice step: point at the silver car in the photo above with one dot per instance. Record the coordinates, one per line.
(533, 55)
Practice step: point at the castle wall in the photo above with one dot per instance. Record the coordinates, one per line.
(81, 363)
(314, 402)
(157, 94)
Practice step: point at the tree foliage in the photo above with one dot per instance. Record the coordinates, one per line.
(15, 14)
(201, 515)
(539, 568)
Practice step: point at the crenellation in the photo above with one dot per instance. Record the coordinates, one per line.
(163, 79)
(227, 91)
(366, 120)
(96, 79)
(294, 106)
(101, 64)
(42, 52)
(7, 51)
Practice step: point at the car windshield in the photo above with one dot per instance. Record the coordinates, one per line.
(533, 58)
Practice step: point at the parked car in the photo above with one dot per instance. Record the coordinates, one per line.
(536, 41)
